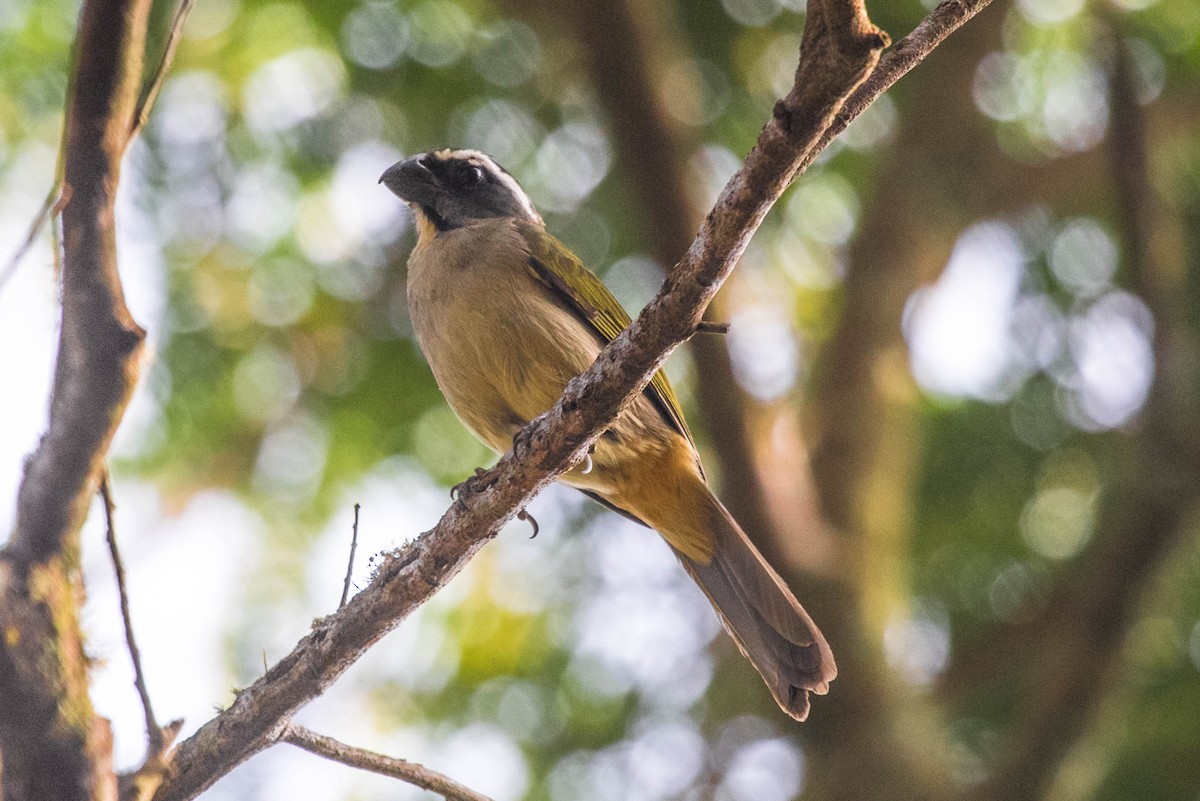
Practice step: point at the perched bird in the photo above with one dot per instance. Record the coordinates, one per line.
(506, 315)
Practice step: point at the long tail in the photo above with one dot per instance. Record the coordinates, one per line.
(761, 614)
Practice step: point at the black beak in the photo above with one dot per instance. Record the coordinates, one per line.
(411, 181)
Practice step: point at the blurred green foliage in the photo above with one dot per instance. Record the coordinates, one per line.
(286, 370)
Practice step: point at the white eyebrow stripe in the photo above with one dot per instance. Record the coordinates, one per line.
(506, 180)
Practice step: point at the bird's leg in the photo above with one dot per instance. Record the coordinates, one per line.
(476, 483)
(520, 443)
(467, 484)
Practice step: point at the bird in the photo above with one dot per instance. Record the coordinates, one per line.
(506, 315)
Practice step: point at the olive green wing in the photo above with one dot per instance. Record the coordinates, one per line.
(560, 270)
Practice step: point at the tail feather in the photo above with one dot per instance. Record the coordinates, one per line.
(765, 620)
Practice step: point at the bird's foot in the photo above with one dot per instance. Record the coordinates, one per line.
(525, 516)
(521, 443)
(472, 485)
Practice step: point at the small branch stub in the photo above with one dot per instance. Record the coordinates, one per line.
(710, 327)
(405, 771)
(350, 565)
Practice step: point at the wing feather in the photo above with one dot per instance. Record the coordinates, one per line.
(560, 270)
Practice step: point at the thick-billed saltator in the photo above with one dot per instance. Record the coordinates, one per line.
(506, 316)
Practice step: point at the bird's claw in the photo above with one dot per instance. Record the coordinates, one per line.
(520, 443)
(525, 516)
(586, 464)
(469, 486)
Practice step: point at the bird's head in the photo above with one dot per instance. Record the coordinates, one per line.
(448, 189)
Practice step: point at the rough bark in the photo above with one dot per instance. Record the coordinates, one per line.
(52, 744)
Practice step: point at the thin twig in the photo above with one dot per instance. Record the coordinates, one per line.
(350, 564)
(53, 202)
(142, 114)
(142, 783)
(153, 731)
(58, 195)
(56, 232)
(405, 771)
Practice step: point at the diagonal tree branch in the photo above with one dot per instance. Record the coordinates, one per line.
(402, 769)
(776, 504)
(854, 757)
(629, 45)
(835, 60)
(840, 49)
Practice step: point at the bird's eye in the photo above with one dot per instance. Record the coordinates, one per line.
(472, 175)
